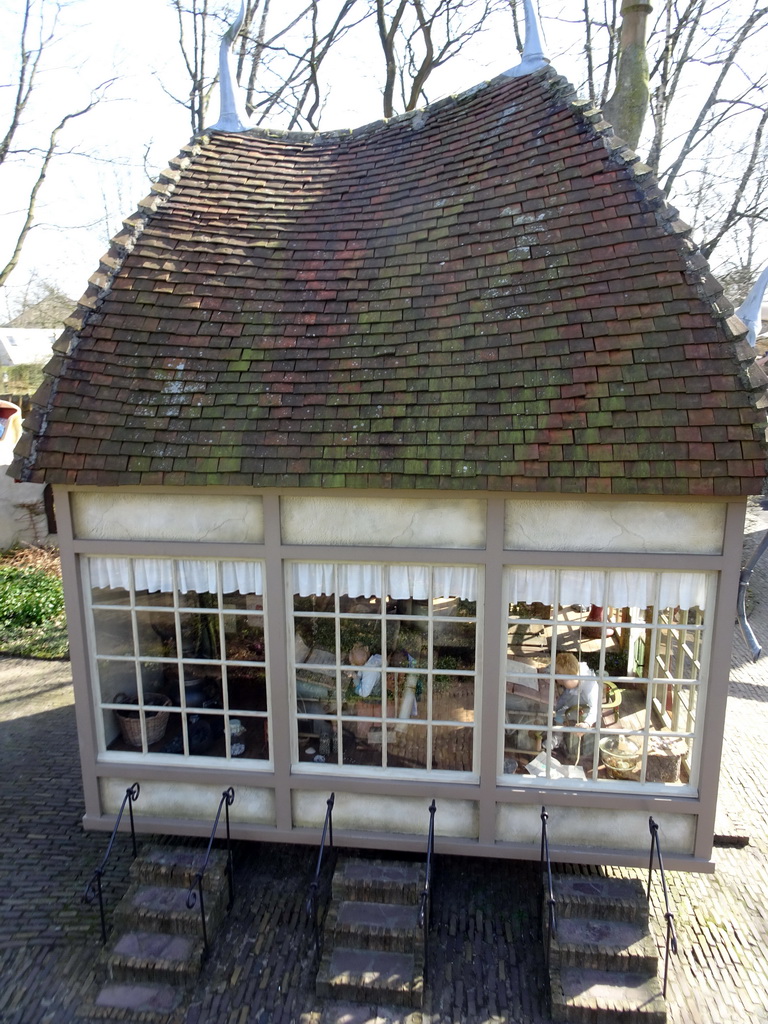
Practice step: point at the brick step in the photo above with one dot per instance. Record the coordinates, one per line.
(368, 925)
(378, 881)
(371, 976)
(603, 945)
(582, 996)
(360, 1013)
(155, 957)
(602, 899)
(163, 908)
(154, 1001)
(178, 865)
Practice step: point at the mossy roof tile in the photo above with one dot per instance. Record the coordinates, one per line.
(489, 294)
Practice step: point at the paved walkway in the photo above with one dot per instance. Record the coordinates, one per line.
(485, 962)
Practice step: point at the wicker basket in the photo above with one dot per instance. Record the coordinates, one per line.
(130, 721)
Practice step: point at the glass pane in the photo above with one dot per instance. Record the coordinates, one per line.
(625, 706)
(249, 738)
(406, 690)
(116, 678)
(453, 698)
(110, 596)
(678, 654)
(407, 746)
(454, 644)
(407, 638)
(621, 757)
(454, 606)
(452, 749)
(236, 600)
(199, 635)
(363, 635)
(668, 759)
(244, 638)
(113, 631)
(156, 632)
(247, 688)
(318, 741)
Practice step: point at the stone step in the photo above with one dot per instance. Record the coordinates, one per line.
(582, 996)
(163, 908)
(141, 998)
(378, 881)
(155, 957)
(359, 1013)
(603, 945)
(369, 925)
(178, 865)
(604, 899)
(372, 976)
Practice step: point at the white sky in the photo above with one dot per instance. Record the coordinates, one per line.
(135, 41)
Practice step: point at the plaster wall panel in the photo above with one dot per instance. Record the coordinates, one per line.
(384, 522)
(235, 519)
(592, 829)
(182, 801)
(652, 527)
(394, 814)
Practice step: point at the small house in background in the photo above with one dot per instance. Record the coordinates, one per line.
(20, 346)
(407, 462)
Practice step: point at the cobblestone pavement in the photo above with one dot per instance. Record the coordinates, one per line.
(485, 962)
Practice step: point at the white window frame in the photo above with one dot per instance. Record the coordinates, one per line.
(337, 718)
(226, 712)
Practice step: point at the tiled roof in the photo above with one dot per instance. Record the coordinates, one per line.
(487, 294)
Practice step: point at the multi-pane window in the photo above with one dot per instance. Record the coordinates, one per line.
(179, 654)
(385, 665)
(603, 675)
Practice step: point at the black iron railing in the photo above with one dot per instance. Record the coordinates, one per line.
(547, 885)
(93, 889)
(669, 917)
(227, 799)
(313, 896)
(425, 900)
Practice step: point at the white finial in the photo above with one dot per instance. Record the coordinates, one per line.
(750, 309)
(534, 55)
(232, 115)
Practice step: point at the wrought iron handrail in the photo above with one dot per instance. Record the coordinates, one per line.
(314, 885)
(227, 799)
(93, 889)
(669, 917)
(550, 892)
(425, 900)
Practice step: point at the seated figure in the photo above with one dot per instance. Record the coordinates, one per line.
(580, 691)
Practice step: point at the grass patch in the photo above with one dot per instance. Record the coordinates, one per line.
(32, 619)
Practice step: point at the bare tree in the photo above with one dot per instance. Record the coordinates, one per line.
(37, 34)
(417, 37)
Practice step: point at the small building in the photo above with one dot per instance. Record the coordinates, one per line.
(19, 346)
(408, 462)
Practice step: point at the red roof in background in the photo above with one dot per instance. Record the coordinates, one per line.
(487, 294)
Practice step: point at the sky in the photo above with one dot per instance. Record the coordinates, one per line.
(138, 128)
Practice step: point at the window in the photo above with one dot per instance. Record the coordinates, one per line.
(603, 674)
(385, 665)
(179, 651)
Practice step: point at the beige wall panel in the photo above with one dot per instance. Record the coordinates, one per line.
(182, 801)
(383, 522)
(234, 519)
(652, 527)
(588, 828)
(397, 814)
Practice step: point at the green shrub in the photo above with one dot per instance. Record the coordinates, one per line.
(29, 597)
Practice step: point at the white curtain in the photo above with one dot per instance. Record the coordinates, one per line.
(614, 589)
(155, 575)
(395, 581)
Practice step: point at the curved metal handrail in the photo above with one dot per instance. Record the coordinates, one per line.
(93, 888)
(546, 862)
(314, 885)
(425, 900)
(227, 799)
(669, 917)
